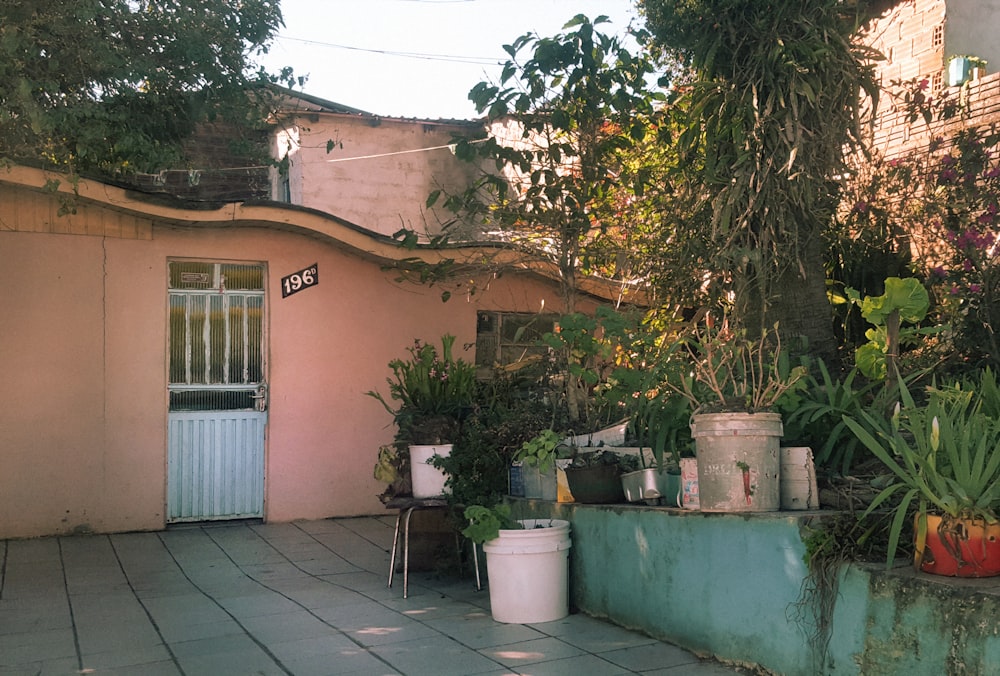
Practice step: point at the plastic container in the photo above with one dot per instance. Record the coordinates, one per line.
(738, 467)
(428, 481)
(650, 485)
(528, 572)
(689, 483)
(798, 479)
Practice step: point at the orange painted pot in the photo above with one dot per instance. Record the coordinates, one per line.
(960, 548)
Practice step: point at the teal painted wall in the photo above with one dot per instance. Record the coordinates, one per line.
(731, 585)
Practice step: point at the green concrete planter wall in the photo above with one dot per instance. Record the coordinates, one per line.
(730, 585)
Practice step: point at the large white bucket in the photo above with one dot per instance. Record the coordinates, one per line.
(798, 479)
(428, 481)
(738, 468)
(528, 572)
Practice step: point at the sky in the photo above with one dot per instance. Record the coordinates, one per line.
(416, 58)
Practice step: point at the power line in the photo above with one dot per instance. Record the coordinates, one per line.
(449, 146)
(478, 60)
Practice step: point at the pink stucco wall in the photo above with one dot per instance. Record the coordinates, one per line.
(83, 354)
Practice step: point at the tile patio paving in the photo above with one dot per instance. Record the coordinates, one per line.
(304, 598)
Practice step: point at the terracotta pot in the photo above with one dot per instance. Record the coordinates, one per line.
(960, 548)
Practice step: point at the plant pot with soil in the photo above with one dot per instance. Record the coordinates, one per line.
(527, 563)
(944, 456)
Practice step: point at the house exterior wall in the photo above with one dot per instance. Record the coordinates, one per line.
(83, 351)
(917, 38)
(378, 173)
(971, 30)
(905, 36)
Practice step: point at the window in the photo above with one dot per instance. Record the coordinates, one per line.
(504, 338)
(937, 37)
(937, 81)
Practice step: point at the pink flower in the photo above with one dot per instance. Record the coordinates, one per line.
(861, 207)
(924, 84)
(939, 272)
(975, 288)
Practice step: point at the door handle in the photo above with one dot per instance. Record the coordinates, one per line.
(260, 397)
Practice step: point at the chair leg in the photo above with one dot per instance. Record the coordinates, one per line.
(406, 552)
(395, 541)
(475, 562)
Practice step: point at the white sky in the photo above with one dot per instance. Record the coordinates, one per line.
(351, 50)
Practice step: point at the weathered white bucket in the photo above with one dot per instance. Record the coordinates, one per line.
(738, 468)
(428, 481)
(528, 572)
(798, 479)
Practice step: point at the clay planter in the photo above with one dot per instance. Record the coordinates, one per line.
(961, 548)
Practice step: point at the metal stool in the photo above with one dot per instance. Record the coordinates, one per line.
(406, 507)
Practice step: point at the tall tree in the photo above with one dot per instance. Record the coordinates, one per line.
(112, 86)
(565, 109)
(774, 101)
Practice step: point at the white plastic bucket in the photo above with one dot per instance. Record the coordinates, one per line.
(528, 572)
(798, 479)
(428, 481)
(738, 468)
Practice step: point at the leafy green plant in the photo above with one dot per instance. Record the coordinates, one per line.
(432, 390)
(644, 362)
(817, 418)
(541, 452)
(485, 523)
(944, 455)
(905, 301)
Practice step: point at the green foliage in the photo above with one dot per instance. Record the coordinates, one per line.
(541, 451)
(644, 362)
(485, 523)
(948, 194)
(577, 99)
(904, 300)
(114, 86)
(429, 384)
(507, 412)
(944, 456)
(817, 418)
(772, 103)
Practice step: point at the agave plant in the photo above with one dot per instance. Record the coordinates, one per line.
(944, 455)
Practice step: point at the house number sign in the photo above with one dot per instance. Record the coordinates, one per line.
(297, 281)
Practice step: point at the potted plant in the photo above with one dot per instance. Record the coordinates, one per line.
(433, 392)
(733, 385)
(596, 476)
(661, 423)
(527, 563)
(537, 458)
(945, 456)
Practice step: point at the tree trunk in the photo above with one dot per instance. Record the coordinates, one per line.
(800, 304)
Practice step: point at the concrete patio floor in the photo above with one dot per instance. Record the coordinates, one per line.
(301, 598)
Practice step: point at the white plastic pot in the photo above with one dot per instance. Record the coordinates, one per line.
(798, 479)
(528, 572)
(428, 480)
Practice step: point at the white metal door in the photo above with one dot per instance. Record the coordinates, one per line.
(217, 391)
